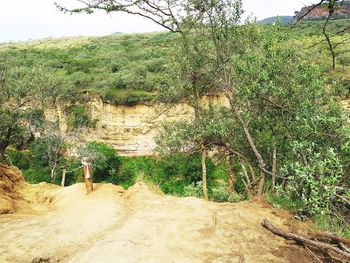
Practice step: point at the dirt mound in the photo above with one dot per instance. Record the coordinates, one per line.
(11, 180)
(136, 225)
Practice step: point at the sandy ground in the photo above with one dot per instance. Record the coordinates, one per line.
(137, 225)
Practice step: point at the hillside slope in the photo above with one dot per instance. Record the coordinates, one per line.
(131, 68)
(137, 225)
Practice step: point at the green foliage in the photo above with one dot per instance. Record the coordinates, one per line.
(23, 92)
(37, 175)
(332, 224)
(105, 162)
(127, 97)
(122, 62)
(235, 197)
(39, 153)
(20, 159)
(194, 190)
(79, 117)
(174, 174)
(313, 180)
(220, 192)
(79, 79)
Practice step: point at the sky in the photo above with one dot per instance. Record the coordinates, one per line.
(22, 20)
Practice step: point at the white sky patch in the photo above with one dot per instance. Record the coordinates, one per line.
(23, 19)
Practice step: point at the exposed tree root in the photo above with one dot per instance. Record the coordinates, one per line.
(333, 248)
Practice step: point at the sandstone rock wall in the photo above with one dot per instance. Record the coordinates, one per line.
(322, 12)
(130, 130)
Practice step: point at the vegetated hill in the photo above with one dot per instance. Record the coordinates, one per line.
(281, 19)
(321, 12)
(122, 68)
(129, 68)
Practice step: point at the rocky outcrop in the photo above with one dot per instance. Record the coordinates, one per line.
(322, 12)
(131, 130)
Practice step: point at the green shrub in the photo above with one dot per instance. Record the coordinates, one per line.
(312, 182)
(333, 224)
(116, 68)
(194, 190)
(127, 97)
(38, 153)
(80, 78)
(20, 159)
(126, 175)
(105, 162)
(235, 197)
(79, 117)
(37, 175)
(220, 192)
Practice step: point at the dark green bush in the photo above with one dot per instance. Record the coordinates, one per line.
(20, 159)
(105, 162)
(38, 150)
(80, 79)
(37, 175)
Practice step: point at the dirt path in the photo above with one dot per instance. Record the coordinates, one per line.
(113, 225)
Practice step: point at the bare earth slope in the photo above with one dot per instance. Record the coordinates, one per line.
(137, 225)
(11, 180)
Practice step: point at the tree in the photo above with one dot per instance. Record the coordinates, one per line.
(23, 92)
(277, 99)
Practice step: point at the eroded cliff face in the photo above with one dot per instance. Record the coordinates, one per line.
(131, 130)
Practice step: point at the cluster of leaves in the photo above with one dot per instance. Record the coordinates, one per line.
(313, 180)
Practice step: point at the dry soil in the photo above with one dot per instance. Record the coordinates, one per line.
(137, 225)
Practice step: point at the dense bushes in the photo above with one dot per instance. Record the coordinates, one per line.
(127, 97)
(313, 183)
(123, 62)
(105, 161)
(178, 175)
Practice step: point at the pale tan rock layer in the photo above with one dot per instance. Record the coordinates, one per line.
(131, 130)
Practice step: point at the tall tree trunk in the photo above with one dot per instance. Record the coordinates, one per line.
(204, 172)
(252, 146)
(53, 172)
(202, 147)
(261, 183)
(231, 176)
(63, 177)
(274, 169)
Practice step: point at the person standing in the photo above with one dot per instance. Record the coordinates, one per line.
(87, 174)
